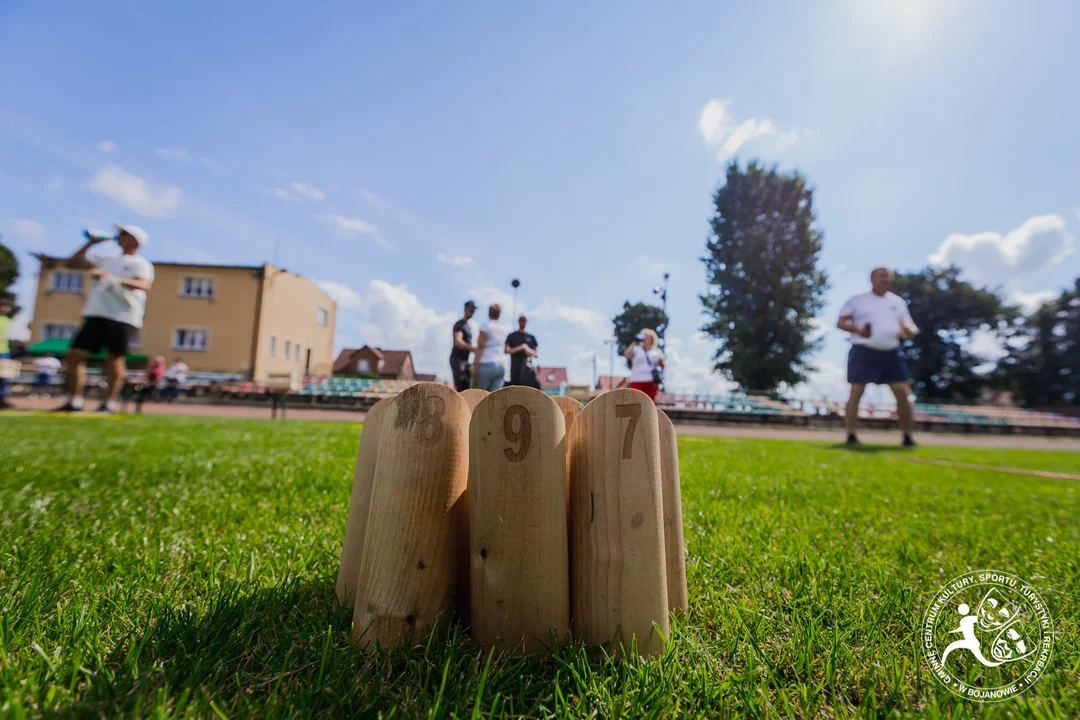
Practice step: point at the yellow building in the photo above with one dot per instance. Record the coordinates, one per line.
(252, 320)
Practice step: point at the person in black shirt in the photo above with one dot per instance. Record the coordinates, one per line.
(463, 347)
(521, 347)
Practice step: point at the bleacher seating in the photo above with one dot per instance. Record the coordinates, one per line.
(337, 386)
(734, 403)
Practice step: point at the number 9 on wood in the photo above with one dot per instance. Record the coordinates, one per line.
(518, 551)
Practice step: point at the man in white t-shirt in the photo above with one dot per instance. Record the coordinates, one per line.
(113, 313)
(878, 321)
(175, 376)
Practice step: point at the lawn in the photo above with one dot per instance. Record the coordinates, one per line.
(157, 566)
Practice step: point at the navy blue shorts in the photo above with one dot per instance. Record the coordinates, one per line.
(866, 366)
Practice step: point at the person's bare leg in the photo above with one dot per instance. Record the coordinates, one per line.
(75, 379)
(114, 375)
(851, 415)
(904, 412)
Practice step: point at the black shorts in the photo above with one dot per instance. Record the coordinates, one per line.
(867, 366)
(98, 332)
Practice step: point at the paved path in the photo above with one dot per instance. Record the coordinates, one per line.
(1031, 442)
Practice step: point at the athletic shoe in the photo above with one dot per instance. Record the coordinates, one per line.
(67, 407)
(852, 440)
(5, 405)
(908, 442)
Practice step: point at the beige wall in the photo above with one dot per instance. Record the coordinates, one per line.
(289, 313)
(288, 309)
(51, 306)
(227, 317)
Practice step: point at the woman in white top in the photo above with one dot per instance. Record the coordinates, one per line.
(489, 372)
(644, 357)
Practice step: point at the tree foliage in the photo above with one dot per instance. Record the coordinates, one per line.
(1045, 372)
(9, 273)
(949, 311)
(634, 318)
(765, 283)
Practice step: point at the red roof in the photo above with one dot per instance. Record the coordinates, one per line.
(551, 377)
(392, 361)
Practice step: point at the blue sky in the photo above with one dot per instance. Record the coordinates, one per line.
(410, 158)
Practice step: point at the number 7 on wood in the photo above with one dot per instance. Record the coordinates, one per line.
(633, 412)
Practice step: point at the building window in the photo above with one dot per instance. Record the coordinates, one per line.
(297, 358)
(197, 287)
(189, 339)
(288, 348)
(67, 282)
(363, 366)
(322, 317)
(57, 331)
(273, 346)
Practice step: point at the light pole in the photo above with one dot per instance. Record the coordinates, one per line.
(515, 283)
(611, 368)
(662, 292)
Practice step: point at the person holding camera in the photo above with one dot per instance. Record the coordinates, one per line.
(646, 363)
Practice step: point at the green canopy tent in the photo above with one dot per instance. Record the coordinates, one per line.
(60, 346)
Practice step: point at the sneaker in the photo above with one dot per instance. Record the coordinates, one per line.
(68, 407)
(908, 442)
(852, 440)
(108, 408)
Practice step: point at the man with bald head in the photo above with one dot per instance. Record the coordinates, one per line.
(878, 321)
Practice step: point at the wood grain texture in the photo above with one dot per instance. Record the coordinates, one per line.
(473, 396)
(618, 578)
(675, 555)
(352, 548)
(571, 408)
(412, 549)
(519, 553)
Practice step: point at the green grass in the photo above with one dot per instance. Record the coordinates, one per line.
(166, 566)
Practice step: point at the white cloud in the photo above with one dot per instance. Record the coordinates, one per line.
(30, 231)
(350, 227)
(719, 127)
(684, 373)
(106, 146)
(454, 260)
(711, 119)
(280, 193)
(597, 326)
(343, 295)
(701, 338)
(390, 316)
(308, 191)
(1030, 302)
(135, 193)
(56, 183)
(174, 153)
(993, 259)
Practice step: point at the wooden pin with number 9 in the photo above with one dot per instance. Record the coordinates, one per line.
(518, 551)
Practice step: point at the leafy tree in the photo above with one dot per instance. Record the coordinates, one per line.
(765, 283)
(949, 311)
(9, 272)
(1046, 371)
(634, 318)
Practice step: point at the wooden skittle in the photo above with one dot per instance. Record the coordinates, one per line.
(675, 550)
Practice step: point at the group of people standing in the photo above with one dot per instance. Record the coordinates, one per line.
(486, 370)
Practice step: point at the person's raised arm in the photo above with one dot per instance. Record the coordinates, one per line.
(628, 353)
(79, 261)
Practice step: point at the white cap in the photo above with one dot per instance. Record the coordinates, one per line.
(134, 231)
